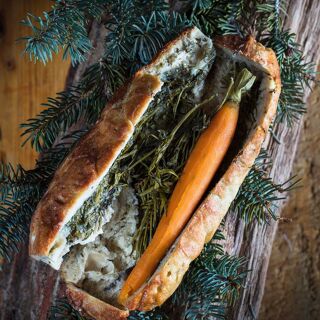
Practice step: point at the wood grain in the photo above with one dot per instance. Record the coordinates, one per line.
(294, 273)
(255, 241)
(27, 287)
(23, 84)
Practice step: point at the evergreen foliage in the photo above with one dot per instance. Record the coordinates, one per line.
(21, 190)
(156, 314)
(211, 285)
(65, 27)
(137, 30)
(258, 195)
(262, 20)
(83, 101)
(62, 310)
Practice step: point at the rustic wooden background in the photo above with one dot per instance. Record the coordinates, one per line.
(23, 84)
(292, 289)
(293, 280)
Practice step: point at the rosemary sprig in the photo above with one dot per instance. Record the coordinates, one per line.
(156, 153)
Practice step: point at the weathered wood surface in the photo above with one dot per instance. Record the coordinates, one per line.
(24, 85)
(28, 287)
(293, 278)
(255, 241)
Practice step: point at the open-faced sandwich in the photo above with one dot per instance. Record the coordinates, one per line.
(138, 197)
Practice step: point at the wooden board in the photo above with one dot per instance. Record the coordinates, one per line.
(255, 242)
(293, 279)
(23, 84)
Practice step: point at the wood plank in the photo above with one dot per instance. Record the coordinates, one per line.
(38, 282)
(294, 275)
(255, 241)
(23, 84)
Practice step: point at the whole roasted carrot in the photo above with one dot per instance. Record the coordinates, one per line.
(196, 176)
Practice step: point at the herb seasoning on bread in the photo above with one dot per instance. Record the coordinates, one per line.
(149, 184)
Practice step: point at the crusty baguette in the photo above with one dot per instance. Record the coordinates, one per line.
(93, 307)
(208, 216)
(50, 218)
(77, 177)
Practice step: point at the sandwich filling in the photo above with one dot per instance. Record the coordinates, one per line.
(140, 182)
(125, 208)
(114, 226)
(187, 59)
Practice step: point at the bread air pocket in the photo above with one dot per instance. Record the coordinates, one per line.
(106, 200)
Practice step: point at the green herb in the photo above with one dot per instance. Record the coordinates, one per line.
(155, 156)
(89, 218)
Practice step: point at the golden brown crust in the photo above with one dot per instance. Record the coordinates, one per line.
(210, 213)
(89, 160)
(93, 307)
(93, 157)
(95, 153)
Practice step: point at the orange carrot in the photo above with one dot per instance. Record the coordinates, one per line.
(196, 176)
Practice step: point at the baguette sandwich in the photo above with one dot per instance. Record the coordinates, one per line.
(95, 223)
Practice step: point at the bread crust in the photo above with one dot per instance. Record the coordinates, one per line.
(94, 155)
(207, 218)
(93, 307)
(89, 160)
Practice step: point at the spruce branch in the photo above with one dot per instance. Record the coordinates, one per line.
(14, 222)
(134, 39)
(296, 75)
(65, 26)
(258, 194)
(21, 190)
(14, 183)
(144, 7)
(62, 310)
(211, 284)
(83, 101)
(262, 19)
(147, 38)
(156, 314)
